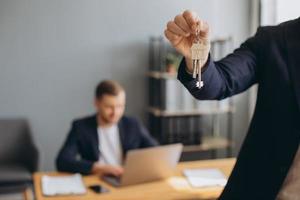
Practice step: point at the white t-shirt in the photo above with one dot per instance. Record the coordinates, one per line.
(110, 145)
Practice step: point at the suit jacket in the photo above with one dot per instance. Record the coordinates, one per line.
(81, 148)
(271, 58)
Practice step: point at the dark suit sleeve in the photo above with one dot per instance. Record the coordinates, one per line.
(231, 75)
(146, 140)
(68, 160)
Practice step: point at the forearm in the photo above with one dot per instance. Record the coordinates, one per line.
(70, 164)
(213, 87)
(146, 140)
(231, 75)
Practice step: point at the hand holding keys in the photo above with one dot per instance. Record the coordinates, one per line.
(190, 36)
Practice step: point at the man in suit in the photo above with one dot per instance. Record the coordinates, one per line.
(97, 144)
(268, 164)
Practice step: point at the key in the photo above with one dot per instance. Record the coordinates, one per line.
(198, 55)
(199, 52)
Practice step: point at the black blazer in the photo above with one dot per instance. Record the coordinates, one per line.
(272, 59)
(81, 148)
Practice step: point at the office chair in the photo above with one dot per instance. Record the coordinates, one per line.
(18, 156)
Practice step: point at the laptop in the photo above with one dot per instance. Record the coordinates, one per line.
(148, 164)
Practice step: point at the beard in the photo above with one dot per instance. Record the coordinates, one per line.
(107, 119)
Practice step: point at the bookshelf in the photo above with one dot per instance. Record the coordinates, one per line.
(174, 115)
(209, 143)
(165, 113)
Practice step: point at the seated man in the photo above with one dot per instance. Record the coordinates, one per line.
(97, 144)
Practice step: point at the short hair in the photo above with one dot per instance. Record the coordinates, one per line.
(108, 87)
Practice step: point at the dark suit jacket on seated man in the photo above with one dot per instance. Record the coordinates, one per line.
(97, 144)
(268, 164)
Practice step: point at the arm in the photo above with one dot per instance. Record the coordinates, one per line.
(229, 76)
(68, 160)
(146, 140)
(67, 157)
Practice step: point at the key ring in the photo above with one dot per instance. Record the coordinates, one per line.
(197, 35)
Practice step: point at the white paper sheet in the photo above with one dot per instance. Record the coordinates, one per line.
(63, 185)
(205, 177)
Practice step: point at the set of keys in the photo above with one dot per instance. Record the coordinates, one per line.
(199, 51)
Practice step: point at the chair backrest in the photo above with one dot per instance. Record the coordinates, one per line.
(16, 144)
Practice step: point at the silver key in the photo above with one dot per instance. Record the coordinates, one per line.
(198, 51)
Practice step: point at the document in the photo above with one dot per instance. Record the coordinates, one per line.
(63, 185)
(205, 177)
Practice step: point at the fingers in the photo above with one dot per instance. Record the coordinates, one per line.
(116, 171)
(179, 26)
(120, 170)
(172, 37)
(173, 27)
(204, 30)
(193, 20)
(182, 24)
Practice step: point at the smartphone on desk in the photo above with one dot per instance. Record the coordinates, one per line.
(99, 189)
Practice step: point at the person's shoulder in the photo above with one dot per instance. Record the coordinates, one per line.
(281, 27)
(84, 120)
(132, 124)
(290, 24)
(273, 33)
(276, 33)
(129, 119)
(268, 30)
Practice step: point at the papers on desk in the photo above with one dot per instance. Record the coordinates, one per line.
(205, 177)
(63, 185)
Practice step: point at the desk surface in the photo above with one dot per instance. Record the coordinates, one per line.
(173, 188)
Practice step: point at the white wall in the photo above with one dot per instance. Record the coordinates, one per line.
(53, 53)
(287, 10)
(277, 11)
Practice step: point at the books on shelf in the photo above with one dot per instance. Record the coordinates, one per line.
(212, 106)
(170, 95)
(187, 130)
(156, 53)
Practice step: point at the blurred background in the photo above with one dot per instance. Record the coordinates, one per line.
(53, 53)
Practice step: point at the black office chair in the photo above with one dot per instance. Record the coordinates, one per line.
(18, 156)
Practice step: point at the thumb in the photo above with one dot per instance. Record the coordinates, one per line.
(204, 30)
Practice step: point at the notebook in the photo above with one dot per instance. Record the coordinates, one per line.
(205, 177)
(63, 185)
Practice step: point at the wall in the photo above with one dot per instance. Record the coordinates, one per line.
(287, 10)
(53, 53)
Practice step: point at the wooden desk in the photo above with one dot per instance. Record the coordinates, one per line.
(173, 188)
